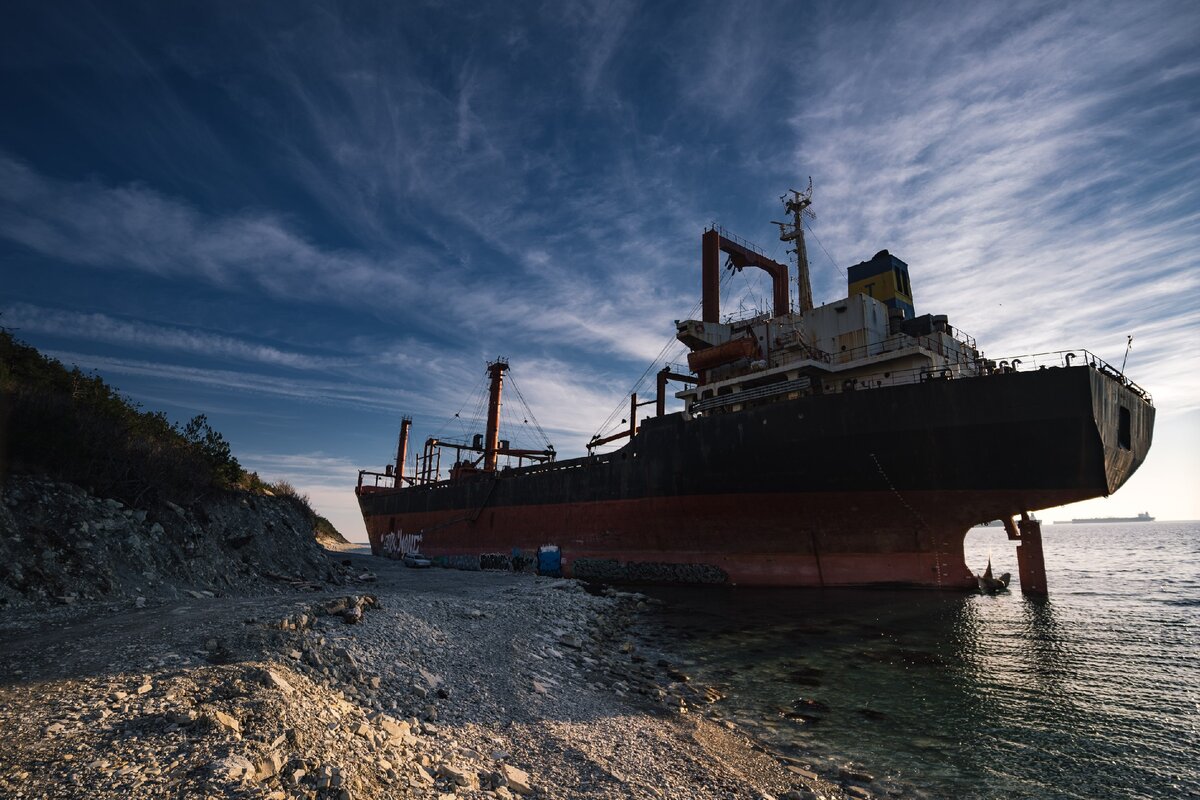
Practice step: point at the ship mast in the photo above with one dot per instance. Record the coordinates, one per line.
(798, 206)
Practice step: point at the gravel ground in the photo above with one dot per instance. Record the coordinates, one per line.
(407, 683)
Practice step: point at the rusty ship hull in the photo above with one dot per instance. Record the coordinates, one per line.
(875, 486)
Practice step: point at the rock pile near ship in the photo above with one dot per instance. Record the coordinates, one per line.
(61, 544)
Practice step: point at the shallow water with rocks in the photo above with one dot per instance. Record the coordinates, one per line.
(1091, 693)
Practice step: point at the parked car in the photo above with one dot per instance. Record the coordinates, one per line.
(416, 560)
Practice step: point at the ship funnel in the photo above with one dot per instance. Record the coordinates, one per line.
(884, 278)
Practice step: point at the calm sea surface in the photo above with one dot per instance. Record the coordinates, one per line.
(1093, 693)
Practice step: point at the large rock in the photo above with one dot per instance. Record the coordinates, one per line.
(458, 776)
(233, 767)
(394, 728)
(517, 779)
(277, 681)
(229, 723)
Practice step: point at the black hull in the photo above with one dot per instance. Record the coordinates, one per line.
(899, 469)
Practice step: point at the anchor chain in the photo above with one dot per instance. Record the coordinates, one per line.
(937, 553)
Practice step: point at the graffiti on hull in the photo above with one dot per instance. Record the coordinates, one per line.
(397, 544)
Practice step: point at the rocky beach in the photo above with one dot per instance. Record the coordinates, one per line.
(273, 667)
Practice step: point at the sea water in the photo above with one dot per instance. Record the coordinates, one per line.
(1093, 692)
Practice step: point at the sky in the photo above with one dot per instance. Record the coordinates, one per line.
(305, 219)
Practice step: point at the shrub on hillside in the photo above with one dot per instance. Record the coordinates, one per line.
(322, 527)
(74, 427)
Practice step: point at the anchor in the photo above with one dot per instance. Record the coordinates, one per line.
(989, 584)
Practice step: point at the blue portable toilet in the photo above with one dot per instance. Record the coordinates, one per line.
(549, 561)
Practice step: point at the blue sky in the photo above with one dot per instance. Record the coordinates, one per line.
(305, 219)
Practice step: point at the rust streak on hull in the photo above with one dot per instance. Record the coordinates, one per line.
(828, 539)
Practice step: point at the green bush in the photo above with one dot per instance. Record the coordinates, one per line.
(74, 427)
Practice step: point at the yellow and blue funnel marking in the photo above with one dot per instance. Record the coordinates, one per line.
(885, 278)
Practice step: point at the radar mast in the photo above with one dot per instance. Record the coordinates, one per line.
(798, 206)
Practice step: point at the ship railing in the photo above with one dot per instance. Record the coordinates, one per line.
(831, 382)
(962, 336)
(561, 466)
(758, 393)
(931, 343)
(733, 237)
(385, 480)
(744, 314)
(380, 480)
(1027, 363)
(1066, 358)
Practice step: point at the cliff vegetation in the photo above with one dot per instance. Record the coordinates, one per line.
(71, 426)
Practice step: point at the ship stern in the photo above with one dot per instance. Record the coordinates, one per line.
(1124, 418)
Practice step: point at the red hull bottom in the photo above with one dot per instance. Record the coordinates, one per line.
(828, 539)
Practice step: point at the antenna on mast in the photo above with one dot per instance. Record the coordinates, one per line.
(798, 206)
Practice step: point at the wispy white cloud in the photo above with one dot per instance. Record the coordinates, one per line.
(135, 227)
(305, 467)
(123, 228)
(1026, 184)
(98, 327)
(597, 27)
(321, 392)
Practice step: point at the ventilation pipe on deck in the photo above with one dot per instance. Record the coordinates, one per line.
(710, 289)
(402, 448)
(660, 397)
(491, 444)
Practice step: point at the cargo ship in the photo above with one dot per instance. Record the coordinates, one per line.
(848, 444)
(1142, 517)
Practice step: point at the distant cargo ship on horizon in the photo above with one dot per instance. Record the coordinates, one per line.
(1142, 517)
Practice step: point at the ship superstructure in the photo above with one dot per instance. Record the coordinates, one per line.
(844, 444)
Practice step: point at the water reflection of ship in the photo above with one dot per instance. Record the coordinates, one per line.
(1047, 657)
